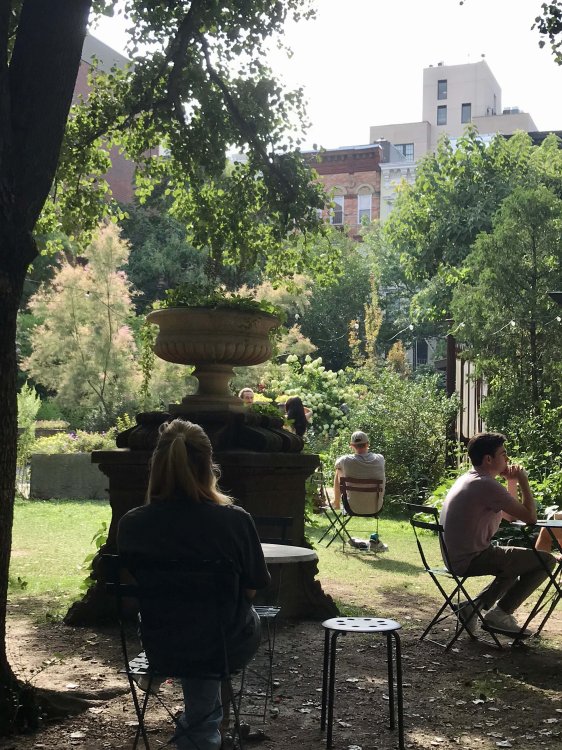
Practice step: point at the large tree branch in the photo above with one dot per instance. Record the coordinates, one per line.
(245, 126)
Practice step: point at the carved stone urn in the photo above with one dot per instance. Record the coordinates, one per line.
(214, 340)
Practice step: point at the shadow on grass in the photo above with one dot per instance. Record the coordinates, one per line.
(379, 562)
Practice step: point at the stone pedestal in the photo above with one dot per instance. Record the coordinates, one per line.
(262, 468)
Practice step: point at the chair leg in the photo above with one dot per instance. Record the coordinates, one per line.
(140, 711)
(331, 689)
(325, 679)
(235, 710)
(389, 658)
(399, 694)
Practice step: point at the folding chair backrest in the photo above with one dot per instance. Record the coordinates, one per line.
(187, 608)
(426, 518)
(361, 497)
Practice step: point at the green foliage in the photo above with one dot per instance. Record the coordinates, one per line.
(406, 422)
(84, 349)
(161, 255)
(455, 196)
(266, 408)
(510, 323)
(322, 390)
(550, 26)
(50, 411)
(51, 424)
(98, 540)
(201, 86)
(193, 295)
(333, 306)
(147, 337)
(28, 406)
(75, 442)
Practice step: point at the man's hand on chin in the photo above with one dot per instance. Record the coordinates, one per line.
(514, 471)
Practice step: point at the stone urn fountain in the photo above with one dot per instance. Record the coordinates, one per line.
(262, 464)
(214, 340)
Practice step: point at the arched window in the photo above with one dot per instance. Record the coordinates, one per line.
(364, 204)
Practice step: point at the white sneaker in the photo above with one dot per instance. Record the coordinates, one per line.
(143, 681)
(497, 619)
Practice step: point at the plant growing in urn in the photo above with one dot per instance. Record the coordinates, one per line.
(214, 332)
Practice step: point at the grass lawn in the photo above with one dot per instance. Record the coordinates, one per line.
(390, 582)
(51, 538)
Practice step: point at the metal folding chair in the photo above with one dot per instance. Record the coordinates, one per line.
(362, 498)
(423, 519)
(185, 610)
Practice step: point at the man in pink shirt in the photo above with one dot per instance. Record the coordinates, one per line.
(471, 514)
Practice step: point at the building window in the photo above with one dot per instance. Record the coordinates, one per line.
(442, 115)
(442, 89)
(336, 212)
(363, 207)
(466, 112)
(407, 149)
(422, 351)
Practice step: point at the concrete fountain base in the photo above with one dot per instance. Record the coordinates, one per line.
(261, 467)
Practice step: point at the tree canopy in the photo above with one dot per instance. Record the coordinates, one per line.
(455, 196)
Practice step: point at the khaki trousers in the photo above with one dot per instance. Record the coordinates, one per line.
(517, 570)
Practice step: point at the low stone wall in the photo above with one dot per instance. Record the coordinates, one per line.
(65, 475)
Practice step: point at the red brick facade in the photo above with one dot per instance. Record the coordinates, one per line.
(348, 173)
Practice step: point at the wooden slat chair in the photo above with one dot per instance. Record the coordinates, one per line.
(361, 498)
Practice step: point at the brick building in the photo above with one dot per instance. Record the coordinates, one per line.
(352, 176)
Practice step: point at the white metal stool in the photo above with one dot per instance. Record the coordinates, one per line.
(333, 628)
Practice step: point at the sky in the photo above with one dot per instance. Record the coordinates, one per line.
(361, 61)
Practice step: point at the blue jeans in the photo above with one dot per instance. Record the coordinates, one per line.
(199, 725)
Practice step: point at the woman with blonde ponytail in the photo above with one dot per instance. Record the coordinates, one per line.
(186, 516)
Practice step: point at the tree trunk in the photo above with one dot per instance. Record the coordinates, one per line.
(11, 285)
(35, 95)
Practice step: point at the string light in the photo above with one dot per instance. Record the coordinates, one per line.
(409, 327)
(511, 323)
(460, 325)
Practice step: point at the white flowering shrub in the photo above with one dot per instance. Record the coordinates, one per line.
(324, 391)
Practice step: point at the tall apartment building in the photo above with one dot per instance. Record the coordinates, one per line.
(453, 97)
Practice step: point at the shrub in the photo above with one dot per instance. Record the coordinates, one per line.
(49, 411)
(406, 421)
(322, 390)
(51, 424)
(28, 406)
(75, 442)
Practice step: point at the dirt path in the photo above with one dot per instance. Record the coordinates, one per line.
(474, 697)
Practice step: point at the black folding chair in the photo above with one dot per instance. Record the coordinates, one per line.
(362, 498)
(186, 608)
(425, 518)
